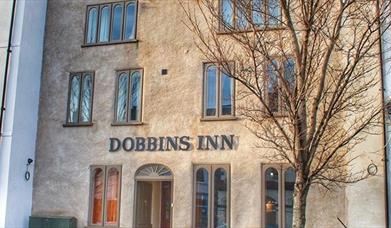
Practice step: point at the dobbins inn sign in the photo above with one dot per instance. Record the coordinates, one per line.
(174, 143)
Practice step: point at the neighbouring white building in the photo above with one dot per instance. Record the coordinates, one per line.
(21, 45)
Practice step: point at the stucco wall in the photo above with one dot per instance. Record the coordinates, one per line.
(171, 107)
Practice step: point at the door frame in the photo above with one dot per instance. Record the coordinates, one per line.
(153, 179)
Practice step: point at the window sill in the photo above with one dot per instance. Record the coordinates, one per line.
(277, 115)
(127, 124)
(224, 118)
(95, 226)
(78, 124)
(276, 28)
(109, 43)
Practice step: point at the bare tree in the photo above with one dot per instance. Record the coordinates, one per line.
(309, 78)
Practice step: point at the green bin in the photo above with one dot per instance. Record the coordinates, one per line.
(52, 222)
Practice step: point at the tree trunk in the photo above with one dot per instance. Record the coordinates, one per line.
(299, 204)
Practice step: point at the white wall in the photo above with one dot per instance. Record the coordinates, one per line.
(20, 119)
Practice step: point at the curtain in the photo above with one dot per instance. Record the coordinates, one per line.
(122, 97)
(86, 99)
(74, 98)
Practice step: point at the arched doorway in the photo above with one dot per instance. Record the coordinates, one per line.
(153, 202)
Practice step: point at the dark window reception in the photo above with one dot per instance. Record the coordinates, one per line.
(105, 195)
(97, 196)
(236, 14)
(92, 25)
(202, 198)
(271, 198)
(80, 98)
(128, 96)
(111, 23)
(212, 196)
(116, 29)
(277, 196)
(280, 84)
(130, 21)
(218, 92)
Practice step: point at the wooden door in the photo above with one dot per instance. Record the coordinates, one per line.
(165, 205)
(144, 205)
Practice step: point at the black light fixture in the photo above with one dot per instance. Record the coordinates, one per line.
(27, 173)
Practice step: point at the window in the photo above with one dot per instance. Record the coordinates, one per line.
(128, 96)
(278, 73)
(105, 195)
(235, 14)
(218, 92)
(212, 196)
(81, 86)
(111, 23)
(277, 196)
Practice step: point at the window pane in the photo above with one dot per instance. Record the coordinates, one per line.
(202, 199)
(97, 204)
(112, 196)
(242, 17)
(122, 97)
(135, 103)
(211, 106)
(227, 13)
(289, 73)
(117, 23)
(86, 99)
(272, 86)
(258, 12)
(130, 21)
(271, 198)
(220, 199)
(226, 94)
(92, 25)
(274, 12)
(290, 177)
(74, 99)
(104, 24)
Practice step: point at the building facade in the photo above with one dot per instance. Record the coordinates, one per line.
(22, 25)
(128, 137)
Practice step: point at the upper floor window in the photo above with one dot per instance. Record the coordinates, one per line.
(211, 196)
(111, 22)
(219, 90)
(237, 14)
(81, 86)
(277, 195)
(280, 82)
(105, 192)
(129, 96)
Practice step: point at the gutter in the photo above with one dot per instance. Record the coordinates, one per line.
(7, 61)
(384, 107)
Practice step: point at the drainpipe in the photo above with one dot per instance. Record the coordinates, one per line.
(382, 35)
(7, 61)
